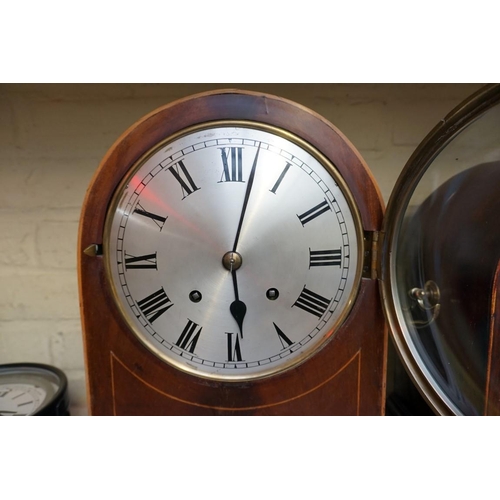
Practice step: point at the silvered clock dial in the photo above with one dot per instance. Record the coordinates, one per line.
(233, 250)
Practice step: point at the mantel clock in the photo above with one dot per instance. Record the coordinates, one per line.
(229, 264)
(232, 279)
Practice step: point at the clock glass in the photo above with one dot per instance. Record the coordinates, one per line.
(233, 249)
(444, 262)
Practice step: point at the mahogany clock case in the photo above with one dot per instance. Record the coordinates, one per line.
(343, 377)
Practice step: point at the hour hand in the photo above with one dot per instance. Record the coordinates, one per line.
(238, 308)
(232, 261)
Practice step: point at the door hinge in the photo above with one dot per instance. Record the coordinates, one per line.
(371, 267)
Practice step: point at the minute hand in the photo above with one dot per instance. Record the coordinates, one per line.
(238, 308)
(247, 196)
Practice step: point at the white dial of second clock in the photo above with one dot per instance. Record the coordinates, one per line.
(232, 252)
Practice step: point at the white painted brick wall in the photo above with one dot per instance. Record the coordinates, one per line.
(52, 138)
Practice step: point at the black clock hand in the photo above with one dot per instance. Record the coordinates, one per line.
(245, 201)
(238, 308)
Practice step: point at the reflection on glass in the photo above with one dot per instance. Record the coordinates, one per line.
(450, 240)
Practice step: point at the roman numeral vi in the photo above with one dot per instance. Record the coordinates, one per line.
(233, 349)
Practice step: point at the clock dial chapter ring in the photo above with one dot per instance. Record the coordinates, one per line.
(172, 222)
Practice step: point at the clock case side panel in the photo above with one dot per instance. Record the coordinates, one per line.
(106, 337)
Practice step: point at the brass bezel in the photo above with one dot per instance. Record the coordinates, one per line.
(334, 173)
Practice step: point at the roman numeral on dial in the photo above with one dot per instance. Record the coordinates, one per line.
(314, 212)
(233, 156)
(325, 257)
(142, 262)
(189, 338)
(154, 305)
(280, 178)
(180, 172)
(312, 302)
(233, 347)
(157, 219)
(285, 341)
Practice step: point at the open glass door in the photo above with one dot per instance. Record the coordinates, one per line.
(440, 260)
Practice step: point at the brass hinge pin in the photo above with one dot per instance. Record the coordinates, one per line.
(370, 264)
